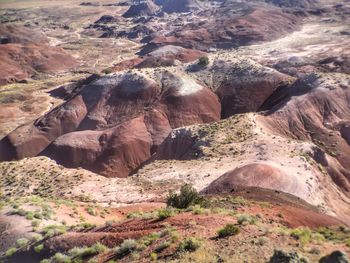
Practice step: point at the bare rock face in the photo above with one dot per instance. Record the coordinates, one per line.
(316, 108)
(114, 123)
(25, 52)
(147, 8)
(259, 175)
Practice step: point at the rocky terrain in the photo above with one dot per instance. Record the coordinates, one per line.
(175, 131)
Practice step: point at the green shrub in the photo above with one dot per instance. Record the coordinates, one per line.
(35, 223)
(153, 256)
(61, 258)
(246, 220)
(128, 246)
(54, 230)
(148, 240)
(188, 196)
(189, 244)
(198, 210)
(10, 251)
(347, 243)
(81, 252)
(21, 242)
(38, 248)
(228, 230)
(203, 61)
(162, 246)
(29, 215)
(165, 213)
(302, 234)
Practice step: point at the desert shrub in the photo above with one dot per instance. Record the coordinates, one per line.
(188, 196)
(203, 61)
(21, 242)
(61, 258)
(54, 230)
(153, 256)
(39, 248)
(81, 252)
(148, 240)
(10, 251)
(198, 210)
(246, 220)
(162, 246)
(107, 71)
(35, 223)
(143, 215)
(228, 230)
(167, 212)
(128, 246)
(190, 244)
(36, 237)
(302, 234)
(90, 210)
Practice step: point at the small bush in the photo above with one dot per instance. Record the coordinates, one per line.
(165, 213)
(153, 256)
(347, 243)
(128, 246)
(10, 252)
(54, 230)
(81, 252)
(228, 230)
(21, 242)
(203, 61)
(148, 240)
(246, 220)
(61, 258)
(162, 246)
(302, 234)
(39, 248)
(188, 196)
(189, 244)
(198, 210)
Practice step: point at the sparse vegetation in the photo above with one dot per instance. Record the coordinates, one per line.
(128, 246)
(21, 242)
(228, 230)
(39, 248)
(190, 244)
(10, 252)
(203, 61)
(188, 196)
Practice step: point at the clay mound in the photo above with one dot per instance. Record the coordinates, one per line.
(256, 175)
(316, 108)
(20, 62)
(114, 123)
(24, 53)
(243, 85)
(181, 6)
(147, 8)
